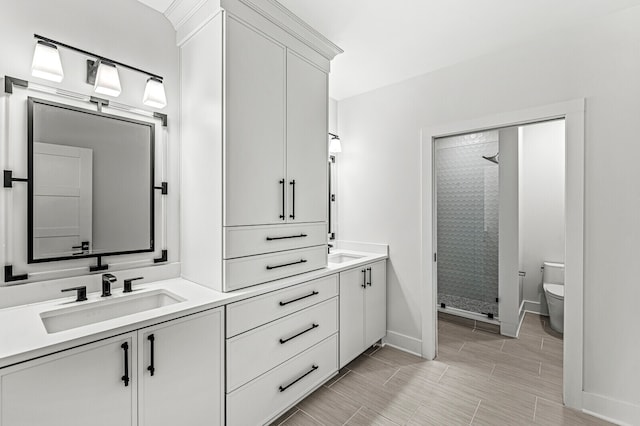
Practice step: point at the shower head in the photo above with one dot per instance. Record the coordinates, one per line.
(493, 158)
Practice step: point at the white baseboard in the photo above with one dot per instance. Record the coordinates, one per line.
(611, 410)
(536, 307)
(404, 343)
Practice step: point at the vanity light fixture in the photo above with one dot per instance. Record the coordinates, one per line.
(154, 95)
(105, 77)
(102, 72)
(334, 144)
(46, 62)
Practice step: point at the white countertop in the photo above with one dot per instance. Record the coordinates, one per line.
(23, 335)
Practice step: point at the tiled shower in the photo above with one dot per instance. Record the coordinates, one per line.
(467, 203)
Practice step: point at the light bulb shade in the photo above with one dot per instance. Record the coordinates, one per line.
(154, 95)
(46, 62)
(334, 145)
(107, 79)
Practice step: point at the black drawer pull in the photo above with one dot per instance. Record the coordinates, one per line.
(364, 278)
(152, 367)
(286, 238)
(369, 282)
(286, 264)
(283, 341)
(284, 388)
(125, 378)
(313, 293)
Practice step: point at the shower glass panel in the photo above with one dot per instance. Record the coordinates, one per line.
(467, 203)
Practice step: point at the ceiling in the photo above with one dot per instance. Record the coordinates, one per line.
(387, 42)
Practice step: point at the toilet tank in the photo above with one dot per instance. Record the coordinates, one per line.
(553, 273)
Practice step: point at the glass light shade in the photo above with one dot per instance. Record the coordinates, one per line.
(107, 80)
(154, 95)
(46, 62)
(334, 145)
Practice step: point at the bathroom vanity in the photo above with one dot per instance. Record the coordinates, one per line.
(163, 363)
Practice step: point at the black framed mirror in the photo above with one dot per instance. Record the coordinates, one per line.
(91, 183)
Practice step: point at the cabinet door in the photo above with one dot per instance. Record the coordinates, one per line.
(351, 314)
(307, 100)
(186, 387)
(81, 386)
(254, 127)
(375, 318)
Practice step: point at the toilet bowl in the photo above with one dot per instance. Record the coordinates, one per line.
(553, 285)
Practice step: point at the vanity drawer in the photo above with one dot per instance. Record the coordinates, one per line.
(252, 270)
(257, 351)
(259, 310)
(251, 240)
(261, 400)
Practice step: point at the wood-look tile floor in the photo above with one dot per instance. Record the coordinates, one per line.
(479, 378)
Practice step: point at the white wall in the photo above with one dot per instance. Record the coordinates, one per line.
(380, 173)
(541, 221)
(124, 30)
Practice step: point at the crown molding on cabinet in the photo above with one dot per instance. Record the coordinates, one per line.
(187, 16)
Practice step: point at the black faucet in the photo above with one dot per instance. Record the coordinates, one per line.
(107, 279)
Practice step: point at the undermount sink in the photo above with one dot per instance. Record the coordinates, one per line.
(103, 310)
(343, 257)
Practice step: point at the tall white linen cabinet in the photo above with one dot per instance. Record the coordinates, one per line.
(254, 144)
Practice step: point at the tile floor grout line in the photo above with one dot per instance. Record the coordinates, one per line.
(463, 343)
(392, 376)
(445, 370)
(535, 408)
(540, 369)
(475, 412)
(502, 346)
(541, 344)
(290, 415)
(353, 415)
(310, 416)
(341, 377)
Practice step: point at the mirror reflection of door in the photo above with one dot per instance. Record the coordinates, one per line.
(62, 200)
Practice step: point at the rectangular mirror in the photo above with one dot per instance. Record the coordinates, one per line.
(91, 183)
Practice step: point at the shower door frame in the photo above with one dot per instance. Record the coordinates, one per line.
(573, 112)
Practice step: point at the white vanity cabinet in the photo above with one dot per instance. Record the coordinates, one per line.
(254, 149)
(254, 133)
(280, 347)
(363, 309)
(77, 387)
(180, 371)
(109, 382)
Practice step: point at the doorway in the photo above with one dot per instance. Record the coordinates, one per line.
(573, 114)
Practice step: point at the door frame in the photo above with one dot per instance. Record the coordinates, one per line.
(573, 112)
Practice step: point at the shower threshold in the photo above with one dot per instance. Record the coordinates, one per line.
(465, 313)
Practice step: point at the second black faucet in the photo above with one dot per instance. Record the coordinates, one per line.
(107, 279)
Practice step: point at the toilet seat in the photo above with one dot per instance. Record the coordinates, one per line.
(555, 290)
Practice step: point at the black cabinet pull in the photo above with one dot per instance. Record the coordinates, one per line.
(287, 237)
(313, 293)
(293, 199)
(364, 278)
(125, 378)
(151, 368)
(283, 197)
(286, 264)
(283, 341)
(284, 388)
(369, 282)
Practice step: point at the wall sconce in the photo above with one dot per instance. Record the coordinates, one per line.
(334, 144)
(46, 62)
(102, 72)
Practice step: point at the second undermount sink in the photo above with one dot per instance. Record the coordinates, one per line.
(343, 257)
(102, 310)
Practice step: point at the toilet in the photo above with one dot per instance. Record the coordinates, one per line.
(553, 285)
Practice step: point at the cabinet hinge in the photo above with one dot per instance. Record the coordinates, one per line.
(435, 257)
